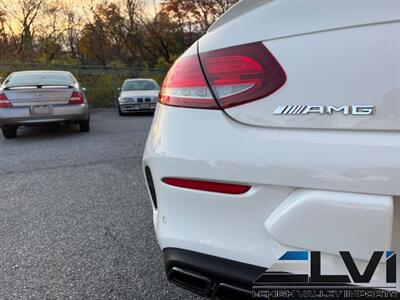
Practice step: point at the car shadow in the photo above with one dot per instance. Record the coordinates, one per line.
(47, 131)
(139, 113)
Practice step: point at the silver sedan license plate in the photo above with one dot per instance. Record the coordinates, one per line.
(41, 110)
(144, 106)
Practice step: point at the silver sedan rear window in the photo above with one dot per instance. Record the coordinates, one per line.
(40, 78)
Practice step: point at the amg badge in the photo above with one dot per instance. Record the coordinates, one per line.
(361, 110)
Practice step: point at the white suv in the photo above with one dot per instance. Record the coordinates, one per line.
(278, 131)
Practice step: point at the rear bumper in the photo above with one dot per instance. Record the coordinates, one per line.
(134, 107)
(328, 174)
(20, 116)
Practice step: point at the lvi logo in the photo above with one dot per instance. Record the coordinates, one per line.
(316, 278)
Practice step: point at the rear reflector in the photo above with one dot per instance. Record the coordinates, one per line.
(236, 75)
(242, 74)
(76, 98)
(4, 102)
(208, 186)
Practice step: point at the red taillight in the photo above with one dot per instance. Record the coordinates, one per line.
(76, 98)
(237, 75)
(4, 102)
(208, 186)
(242, 74)
(185, 85)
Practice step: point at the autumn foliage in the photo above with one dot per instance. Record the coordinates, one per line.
(119, 32)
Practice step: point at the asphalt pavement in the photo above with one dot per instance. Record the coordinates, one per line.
(75, 218)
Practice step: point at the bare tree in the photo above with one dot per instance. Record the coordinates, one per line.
(73, 31)
(52, 29)
(4, 42)
(25, 13)
(133, 27)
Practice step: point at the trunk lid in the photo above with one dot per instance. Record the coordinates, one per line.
(38, 96)
(342, 64)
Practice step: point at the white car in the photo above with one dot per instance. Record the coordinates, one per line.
(276, 144)
(138, 95)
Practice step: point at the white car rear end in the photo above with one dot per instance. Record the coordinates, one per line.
(279, 130)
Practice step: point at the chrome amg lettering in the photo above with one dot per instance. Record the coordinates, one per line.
(360, 110)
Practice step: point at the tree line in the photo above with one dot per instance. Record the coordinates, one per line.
(136, 33)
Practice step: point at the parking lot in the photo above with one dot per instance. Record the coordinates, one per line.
(75, 219)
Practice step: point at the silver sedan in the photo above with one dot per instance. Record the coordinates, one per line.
(138, 95)
(36, 97)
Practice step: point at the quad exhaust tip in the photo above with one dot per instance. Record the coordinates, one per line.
(204, 286)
